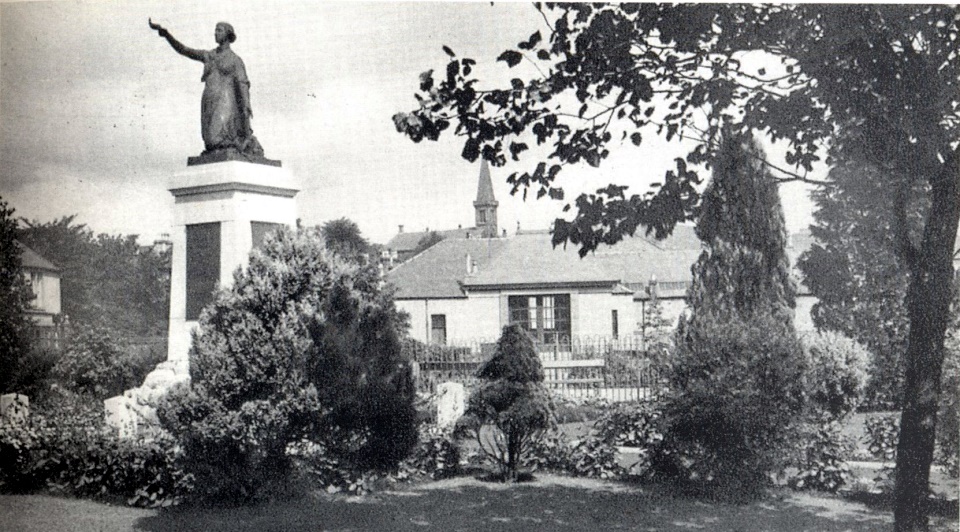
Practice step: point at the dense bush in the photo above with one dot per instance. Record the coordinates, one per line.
(437, 456)
(631, 425)
(551, 452)
(66, 448)
(836, 375)
(15, 297)
(594, 457)
(736, 390)
(882, 434)
(510, 410)
(821, 464)
(94, 363)
(948, 416)
(302, 347)
(34, 373)
(591, 457)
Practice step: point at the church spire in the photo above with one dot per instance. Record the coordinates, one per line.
(486, 204)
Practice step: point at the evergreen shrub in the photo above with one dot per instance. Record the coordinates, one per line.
(736, 390)
(302, 348)
(510, 410)
(837, 373)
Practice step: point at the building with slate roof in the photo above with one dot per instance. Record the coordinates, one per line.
(466, 289)
(44, 279)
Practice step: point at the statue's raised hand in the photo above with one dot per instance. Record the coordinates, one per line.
(160, 29)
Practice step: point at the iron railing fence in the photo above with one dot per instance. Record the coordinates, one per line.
(616, 369)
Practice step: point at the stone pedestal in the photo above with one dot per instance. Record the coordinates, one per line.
(242, 198)
(221, 211)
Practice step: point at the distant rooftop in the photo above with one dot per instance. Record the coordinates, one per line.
(33, 261)
(529, 260)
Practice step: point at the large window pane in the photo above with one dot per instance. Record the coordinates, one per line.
(546, 317)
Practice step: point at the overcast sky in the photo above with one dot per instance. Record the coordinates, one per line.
(97, 111)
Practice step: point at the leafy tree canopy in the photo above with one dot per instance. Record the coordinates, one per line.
(106, 280)
(343, 236)
(796, 72)
(15, 297)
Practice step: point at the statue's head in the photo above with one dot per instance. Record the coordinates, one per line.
(225, 31)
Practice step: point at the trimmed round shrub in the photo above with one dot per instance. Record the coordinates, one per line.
(303, 347)
(837, 373)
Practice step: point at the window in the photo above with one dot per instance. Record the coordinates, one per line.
(616, 324)
(36, 284)
(546, 317)
(481, 216)
(438, 329)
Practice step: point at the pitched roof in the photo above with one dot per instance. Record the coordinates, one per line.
(33, 261)
(409, 241)
(437, 272)
(528, 260)
(531, 259)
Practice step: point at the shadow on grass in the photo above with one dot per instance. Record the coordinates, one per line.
(936, 507)
(550, 503)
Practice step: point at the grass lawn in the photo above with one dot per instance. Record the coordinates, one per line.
(548, 503)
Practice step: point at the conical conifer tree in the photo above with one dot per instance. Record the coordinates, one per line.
(744, 269)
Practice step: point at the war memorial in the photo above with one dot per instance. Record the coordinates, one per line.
(226, 200)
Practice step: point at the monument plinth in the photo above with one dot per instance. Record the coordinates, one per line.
(221, 212)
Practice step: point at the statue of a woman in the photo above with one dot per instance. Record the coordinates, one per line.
(225, 108)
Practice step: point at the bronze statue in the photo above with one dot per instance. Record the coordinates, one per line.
(225, 111)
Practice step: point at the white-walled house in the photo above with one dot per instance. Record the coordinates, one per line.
(44, 279)
(465, 290)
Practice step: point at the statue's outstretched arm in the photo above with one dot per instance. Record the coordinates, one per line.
(196, 55)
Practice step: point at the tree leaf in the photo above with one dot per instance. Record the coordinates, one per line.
(510, 57)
